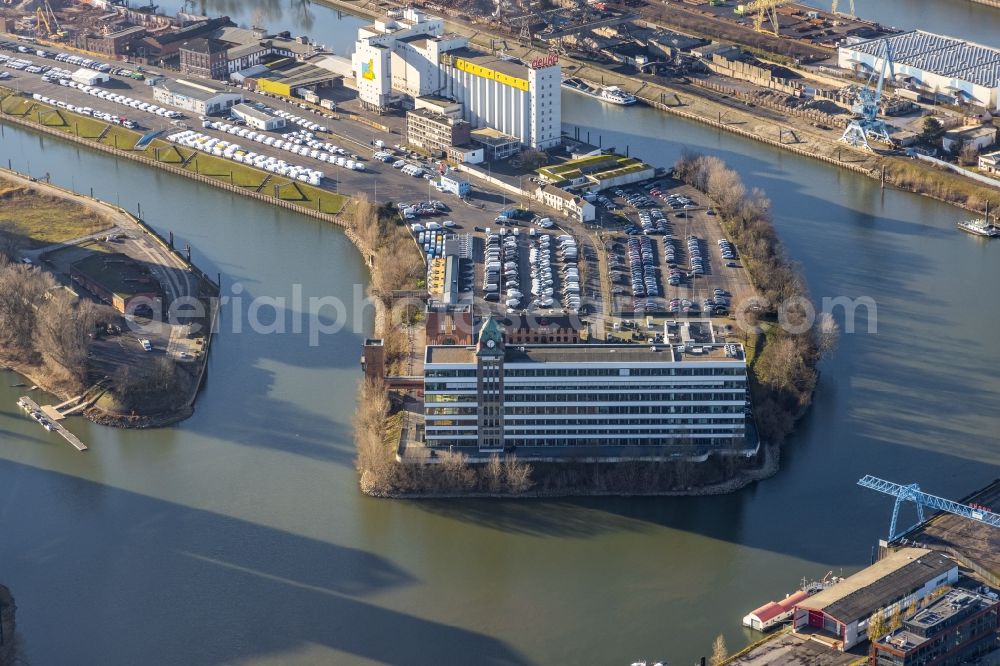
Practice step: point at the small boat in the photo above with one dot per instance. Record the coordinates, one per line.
(980, 226)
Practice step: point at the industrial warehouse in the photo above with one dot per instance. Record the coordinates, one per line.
(956, 70)
(412, 57)
(584, 399)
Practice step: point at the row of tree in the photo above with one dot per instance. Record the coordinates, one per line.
(785, 368)
(382, 474)
(42, 324)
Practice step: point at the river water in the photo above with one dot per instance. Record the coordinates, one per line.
(239, 536)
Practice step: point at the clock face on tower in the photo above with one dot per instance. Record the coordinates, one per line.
(491, 344)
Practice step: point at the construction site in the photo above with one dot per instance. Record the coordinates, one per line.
(110, 29)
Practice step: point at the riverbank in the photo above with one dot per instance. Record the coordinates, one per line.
(768, 126)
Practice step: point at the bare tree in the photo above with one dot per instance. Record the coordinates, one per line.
(64, 327)
(968, 155)
(22, 291)
(456, 475)
(149, 388)
(494, 474)
(720, 653)
(518, 475)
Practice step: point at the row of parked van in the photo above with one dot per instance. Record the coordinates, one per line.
(408, 169)
(80, 61)
(307, 138)
(84, 111)
(289, 145)
(298, 120)
(232, 151)
(110, 96)
(19, 64)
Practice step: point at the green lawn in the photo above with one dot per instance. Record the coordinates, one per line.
(35, 219)
(225, 170)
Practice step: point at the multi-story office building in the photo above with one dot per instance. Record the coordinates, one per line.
(958, 628)
(435, 131)
(412, 56)
(659, 400)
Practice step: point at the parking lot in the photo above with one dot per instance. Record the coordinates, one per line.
(659, 240)
(667, 254)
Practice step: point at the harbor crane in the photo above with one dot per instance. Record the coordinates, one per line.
(833, 8)
(912, 493)
(762, 9)
(868, 124)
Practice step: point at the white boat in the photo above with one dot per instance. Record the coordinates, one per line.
(609, 94)
(616, 95)
(980, 226)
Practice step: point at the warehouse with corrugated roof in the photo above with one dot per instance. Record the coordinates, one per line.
(954, 69)
(841, 612)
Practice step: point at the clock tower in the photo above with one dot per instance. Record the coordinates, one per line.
(489, 386)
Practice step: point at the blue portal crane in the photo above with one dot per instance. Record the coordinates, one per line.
(912, 493)
(868, 124)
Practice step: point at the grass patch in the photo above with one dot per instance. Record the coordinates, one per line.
(43, 219)
(212, 166)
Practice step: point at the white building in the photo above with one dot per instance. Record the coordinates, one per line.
(990, 163)
(570, 204)
(413, 57)
(977, 136)
(199, 98)
(524, 101)
(843, 610)
(89, 77)
(563, 399)
(961, 71)
(258, 118)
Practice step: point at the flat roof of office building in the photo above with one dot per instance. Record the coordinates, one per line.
(581, 353)
(493, 137)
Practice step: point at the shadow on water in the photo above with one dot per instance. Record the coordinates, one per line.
(189, 586)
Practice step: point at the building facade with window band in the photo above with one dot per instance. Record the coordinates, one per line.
(494, 396)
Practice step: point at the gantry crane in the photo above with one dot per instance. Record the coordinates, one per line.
(867, 124)
(833, 8)
(912, 493)
(762, 9)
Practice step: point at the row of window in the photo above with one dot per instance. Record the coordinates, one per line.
(457, 439)
(654, 371)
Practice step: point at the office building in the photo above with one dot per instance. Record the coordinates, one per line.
(455, 183)
(569, 204)
(435, 131)
(584, 399)
(957, 628)
(203, 57)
